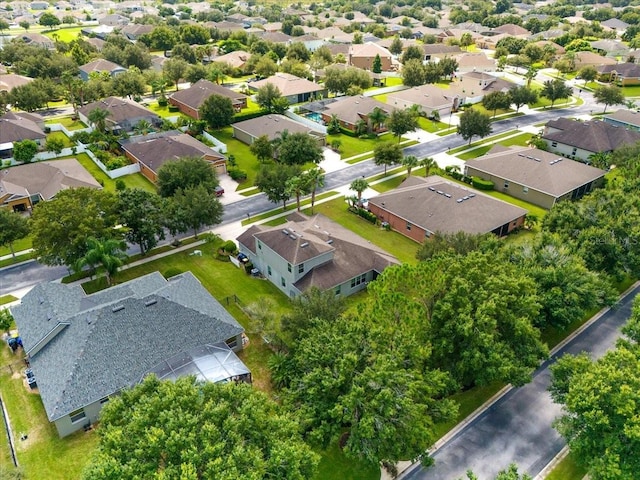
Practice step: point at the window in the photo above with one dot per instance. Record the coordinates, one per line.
(408, 226)
(289, 267)
(525, 189)
(506, 184)
(554, 144)
(104, 400)
(574, 151)
(337, 291)
(232, 342)
(259, 246)
(301, 268)
(358, 280)
(269, 269)
(77, 416)
(283, 282)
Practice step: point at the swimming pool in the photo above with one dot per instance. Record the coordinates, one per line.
(315, 116)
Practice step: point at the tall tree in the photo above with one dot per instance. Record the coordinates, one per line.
(609, 95)
(401, 122)
(359, 185)
(472, 123)
(24, 150)
(198, 430)
(297, 187)
(298, 148)
(98, 117)
(192, 208)
(142, 215)
(184, 173)
(428, 163)
(588, 74)
(316, 180)
(105, 252)
(555, 90)
(262, 148)
(448, 66)
(174, 69)
(60, 227)
(13, 227)
(410, 162)
(376, 67)
(268, 96)
(217, 111)
(272, 180)
(466, 40)
(48, 19)
(600, 406)
(387, 154)
(521, 95)
(396, 46)
(496, 100)
(377, 118)
(413, 74)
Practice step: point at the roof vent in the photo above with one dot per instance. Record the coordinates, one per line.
(40, 300)
(529, 157)
(460, 200)
(448, 195)
(49, 315)
(440, 192)
(305, 244)
(117, 308)
(432, 189)
(89, 320)
(471, 195)
(330, 241)
(521, 155)
(466, 197)
(285, 231)
(150, 302)
(293, 237)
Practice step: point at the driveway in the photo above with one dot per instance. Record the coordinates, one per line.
(518, 427)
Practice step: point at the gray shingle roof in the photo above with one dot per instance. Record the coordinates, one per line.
(288, 84)
(630, 117)
(120, 110)
(353, 109)
(519, 165)
(419, 202)
(272, 126)
(593, 136)
(114, 337)
(15, 127)
(196, 94)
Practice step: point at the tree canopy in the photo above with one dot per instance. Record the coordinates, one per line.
(198, 430)
(600, 403)
(217, 111)
(298, 148)
(13, 227)
(142, 214)
(609, 95)
(185, 173)
(472, 123)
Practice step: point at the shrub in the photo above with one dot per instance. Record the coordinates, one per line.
(163, 102)
(229, 246)
(481, 184)
(237, 174)
(173, 108)
(239, 117)
(367, 215)
(172, 272)
(120, 185)
(115, 162)
(47, 129)
(81, 137)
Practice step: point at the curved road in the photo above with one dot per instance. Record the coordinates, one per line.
(518, 427)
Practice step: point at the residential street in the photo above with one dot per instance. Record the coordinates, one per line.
(518, 427)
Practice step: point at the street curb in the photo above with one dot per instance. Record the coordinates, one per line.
(498, 395)
(18, 264)
(553, 463)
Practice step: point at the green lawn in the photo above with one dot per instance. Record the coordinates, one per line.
(520, 140)
(335, 465)
(62, 136)
(164, 111)
(4, 299)
(391, 183)
(567, 469)
(291, 206)
(64, 33)
(43, 454)
(479, 143)
(67, 122)
(352, 146)
(18, 246)
(18, 259)
(479, 107)
(631, 91)
(134, 180)
(244, 158)
(398, 245)
(531, 208)
(431, 126)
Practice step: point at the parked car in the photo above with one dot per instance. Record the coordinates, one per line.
(219, 191)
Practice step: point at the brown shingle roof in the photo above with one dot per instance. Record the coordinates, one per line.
(157, 149)
(594, 136)
(630, 117)
(271, 126)
(44, 178)
(196, 94)
(120, 109)
(519, 165)
(288, 84)
(353, 109)
(432, 204)
(427, 96)
(17, 126)
(10, 81)
(100, 65)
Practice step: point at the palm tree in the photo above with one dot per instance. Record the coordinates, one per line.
(361, 127)
(106, 252)
(298, 186)
(359, 185)
(316, 180)
(98, 116)
(600, 160)
(377, 118)
(530, 221)
(428, 163)
(410, 161)
(143, 127)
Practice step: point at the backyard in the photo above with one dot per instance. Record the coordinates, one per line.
(134, 180)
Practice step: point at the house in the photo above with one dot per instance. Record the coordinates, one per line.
(584, 59)
(152, 151)
(276, 37)
(610, 48)
(37, 39)
(39, 5)
(513, 30)
(559, 50)
(335, 35)
(363, 56)
(310, 42)
(124, 114)
(536, 176)
(352, 110)
(475, 62)
(100, 66)
(294, 89)
(624, 118)
(134, 31)
(23, 186)
(421, 207)
(439, 51)
(623, 74)
(429, 98)
(272, 126)
(10, 81)
(473, 86)
(84, 349)
(576, 139)
(313, 251)
(237, 59)
(18, 126)
(615, 24)
(191, 99)
(113, 20)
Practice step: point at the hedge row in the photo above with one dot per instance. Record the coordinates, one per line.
(367, 215)
(481, 184)
(239, 117)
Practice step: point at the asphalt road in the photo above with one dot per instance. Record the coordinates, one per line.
(518, 427)
(26, 275)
